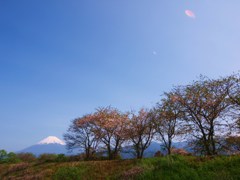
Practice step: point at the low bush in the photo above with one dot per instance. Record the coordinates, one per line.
(3, 156)
(8, 157)
(12, 158)
(47, 158)
(76, 158)
(17, 167)
(62, 158)
(69, 173)
(167, 168)
(26, 157)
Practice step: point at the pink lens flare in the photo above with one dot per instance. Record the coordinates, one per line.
(190, 14)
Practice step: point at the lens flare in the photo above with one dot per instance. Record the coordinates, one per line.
(190, 14)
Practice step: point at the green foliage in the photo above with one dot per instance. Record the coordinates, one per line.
(69, 173)
(8, 157)
(168, 167)
(12, 158)
(61, 158)
(3, 155)
(222, 167)
(179, 167)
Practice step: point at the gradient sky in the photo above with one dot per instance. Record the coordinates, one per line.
(60, 59)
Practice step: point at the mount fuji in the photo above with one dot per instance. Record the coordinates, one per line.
(49, 145)
(51, 140)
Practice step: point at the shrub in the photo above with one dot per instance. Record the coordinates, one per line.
(79, 157)
(61, 158)
(132, 173)
(47, 158)
(158, 154)
(8, 157)
(17, 167)
(68, 173)
(3, 156)
(12, 158)
(182, 152)
(26, 157)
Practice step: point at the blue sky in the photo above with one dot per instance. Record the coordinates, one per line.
(60, 59)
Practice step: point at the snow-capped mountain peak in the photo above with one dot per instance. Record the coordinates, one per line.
(51, 140)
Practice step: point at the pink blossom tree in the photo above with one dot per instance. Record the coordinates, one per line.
(205, 107)
(81, 135)
(110, 127)
(168, 120)
(140, 131)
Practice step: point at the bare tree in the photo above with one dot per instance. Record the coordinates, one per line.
(81, 135)
(140, 131)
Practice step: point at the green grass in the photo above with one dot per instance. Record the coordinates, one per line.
(178, 167)
(172, 168)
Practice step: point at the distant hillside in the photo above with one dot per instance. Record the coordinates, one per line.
(53, 145)
(49, 145)
(46, 148)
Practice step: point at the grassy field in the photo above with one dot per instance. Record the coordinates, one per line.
(173, 167)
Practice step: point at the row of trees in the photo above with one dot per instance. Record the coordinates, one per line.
(206, 112)
(11, 157)
(7, 157)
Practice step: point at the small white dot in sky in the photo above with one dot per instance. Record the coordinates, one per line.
(154, 53)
